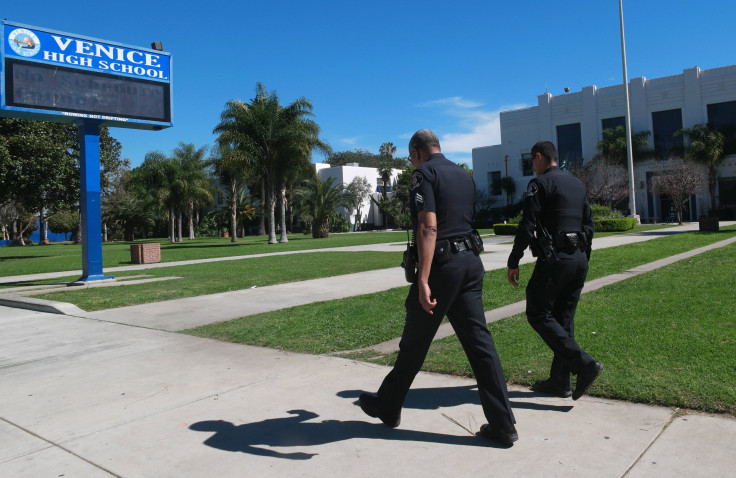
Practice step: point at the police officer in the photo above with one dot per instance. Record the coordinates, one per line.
(555, 202)
(450, 282)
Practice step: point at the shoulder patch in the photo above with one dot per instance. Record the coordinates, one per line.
(416, 180)
(532, 189)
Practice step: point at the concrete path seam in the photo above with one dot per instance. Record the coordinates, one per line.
(656, 437)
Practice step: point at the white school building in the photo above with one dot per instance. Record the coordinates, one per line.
(574, 123)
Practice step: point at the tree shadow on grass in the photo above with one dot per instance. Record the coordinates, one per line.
(297, 431)
(17, 258)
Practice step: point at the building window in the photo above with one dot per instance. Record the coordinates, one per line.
(613, 123)
(526, 164)
(727, 191)
(220, 198)
(664, 126)
(494, 184)
(722, 117)
(569, 144)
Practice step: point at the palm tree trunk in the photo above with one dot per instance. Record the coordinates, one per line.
(233, 212)
(172, 224)
(262, 220)
(712, 173)
(282, 203)
(78, 239)
(191, 220)
(272, 218)
(179, 225)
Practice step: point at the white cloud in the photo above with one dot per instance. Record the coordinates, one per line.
(476, 127)
(453, 101)
(350, 141)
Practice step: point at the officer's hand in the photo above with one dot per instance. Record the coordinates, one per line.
(425, 298)
(513, 276)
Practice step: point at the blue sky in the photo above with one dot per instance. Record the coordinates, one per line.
(377, 71)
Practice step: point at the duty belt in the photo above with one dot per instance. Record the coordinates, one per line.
(459, 246)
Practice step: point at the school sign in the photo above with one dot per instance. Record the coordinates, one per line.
(56, 76)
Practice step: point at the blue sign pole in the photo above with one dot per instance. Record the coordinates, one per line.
(89, 159)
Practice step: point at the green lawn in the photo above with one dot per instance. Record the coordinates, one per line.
(224, 276)
(56, 257)
(667, 337)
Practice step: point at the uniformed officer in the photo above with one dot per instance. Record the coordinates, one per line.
(450, 282)
(556, 201)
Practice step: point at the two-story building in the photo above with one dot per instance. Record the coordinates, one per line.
(574, 122)
(371, 217)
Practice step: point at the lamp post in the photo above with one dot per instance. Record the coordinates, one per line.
(629, 149)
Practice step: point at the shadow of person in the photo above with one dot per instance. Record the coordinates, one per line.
(434, 398)
(257, 438)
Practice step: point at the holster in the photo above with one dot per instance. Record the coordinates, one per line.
(409, 263)
(442, 252)
(546, 246)
(476, 242)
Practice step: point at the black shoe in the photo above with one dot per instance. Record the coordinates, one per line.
(507, 437)
(371, 405)
(586, 379)
(550, 388)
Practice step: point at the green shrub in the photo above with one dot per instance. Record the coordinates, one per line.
(338, 223)
(207, 227)
(505, 229)
(615, 225)
(516, 219)
(599, 211)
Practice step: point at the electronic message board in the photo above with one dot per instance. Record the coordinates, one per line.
(55, 76)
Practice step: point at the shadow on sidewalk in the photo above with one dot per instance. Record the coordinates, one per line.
(296, 431)
(442, 397)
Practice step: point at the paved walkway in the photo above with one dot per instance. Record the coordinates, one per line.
(91, 395)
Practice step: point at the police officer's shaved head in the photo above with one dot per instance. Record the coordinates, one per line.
(424, 140)
(546, 149)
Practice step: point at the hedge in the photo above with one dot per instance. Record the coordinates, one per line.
(615, 225)
(505, 229)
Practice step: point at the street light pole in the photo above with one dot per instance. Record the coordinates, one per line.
(629, 149)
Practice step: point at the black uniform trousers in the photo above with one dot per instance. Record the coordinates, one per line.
(552, 296)
(458, 287)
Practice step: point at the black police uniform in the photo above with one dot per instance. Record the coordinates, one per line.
(557, 201)
(446, 189)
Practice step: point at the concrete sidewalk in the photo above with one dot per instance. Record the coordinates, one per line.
(106, 394)
(87, 398)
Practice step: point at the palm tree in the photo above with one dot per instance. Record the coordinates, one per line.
(705, 146)
(231, 167)
(193, 187)
(384, 172)
(387, 149)
(613, 145)
(159, 176)
(317, 200)
(280, 139)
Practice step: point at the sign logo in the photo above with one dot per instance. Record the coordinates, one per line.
(24, 42)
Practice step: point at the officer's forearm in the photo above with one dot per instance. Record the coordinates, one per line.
(426, 240)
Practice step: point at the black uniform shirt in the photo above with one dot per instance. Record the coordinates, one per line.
(557, 200)
(446, 189)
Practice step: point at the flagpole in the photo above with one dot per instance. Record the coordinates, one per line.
(629, 149)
